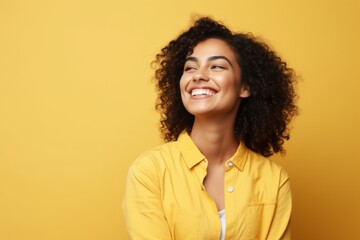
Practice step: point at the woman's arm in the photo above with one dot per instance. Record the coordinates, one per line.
(280, 225)
(144, 216)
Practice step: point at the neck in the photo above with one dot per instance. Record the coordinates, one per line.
(215, 140)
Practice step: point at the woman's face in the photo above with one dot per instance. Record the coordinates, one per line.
(211, 84)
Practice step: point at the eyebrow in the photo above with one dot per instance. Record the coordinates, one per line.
(194, 59)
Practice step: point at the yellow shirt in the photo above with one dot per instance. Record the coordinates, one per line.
(165, 197)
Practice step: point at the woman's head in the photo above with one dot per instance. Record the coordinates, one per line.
(210, 85)
(262, 118)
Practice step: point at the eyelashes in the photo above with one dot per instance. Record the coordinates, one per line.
(217, 67)
(189, 68)
(213, 67)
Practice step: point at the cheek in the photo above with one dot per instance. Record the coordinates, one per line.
(227, 81)
(182, 86)
(183, 83)
(234, 80)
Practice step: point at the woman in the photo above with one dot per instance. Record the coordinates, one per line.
(226, 101)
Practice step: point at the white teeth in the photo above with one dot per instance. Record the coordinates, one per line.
(198, 92)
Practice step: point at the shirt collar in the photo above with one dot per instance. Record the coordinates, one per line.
(192, 155)
(240, 156)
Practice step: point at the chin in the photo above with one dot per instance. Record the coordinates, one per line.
(199, 111)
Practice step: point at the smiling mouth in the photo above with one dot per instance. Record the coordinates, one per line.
(202, 92)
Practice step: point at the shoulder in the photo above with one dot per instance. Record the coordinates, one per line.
(265, 168)
(155, 159)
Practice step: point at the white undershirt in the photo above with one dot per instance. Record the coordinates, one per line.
(223, 224)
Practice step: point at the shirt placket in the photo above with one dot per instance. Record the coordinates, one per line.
(212, 227)
(230, 192)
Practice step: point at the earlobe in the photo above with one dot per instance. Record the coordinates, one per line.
(245, 92)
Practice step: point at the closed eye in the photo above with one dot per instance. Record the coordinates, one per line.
(217, 67)
(189, 68)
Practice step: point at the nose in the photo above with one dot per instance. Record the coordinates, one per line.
(201, 76)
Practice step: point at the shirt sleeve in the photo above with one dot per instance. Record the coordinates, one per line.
(280, 225)
(144, 216)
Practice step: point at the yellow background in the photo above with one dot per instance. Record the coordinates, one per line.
(76, 108)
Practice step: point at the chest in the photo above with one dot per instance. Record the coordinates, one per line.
(191, 209)
(214, 185)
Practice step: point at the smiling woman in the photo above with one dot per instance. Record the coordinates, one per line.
(226, 100)
(211, 83)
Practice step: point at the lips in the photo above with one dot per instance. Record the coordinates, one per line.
(202, 92)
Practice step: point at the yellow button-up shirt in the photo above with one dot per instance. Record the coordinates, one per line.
(165, 197)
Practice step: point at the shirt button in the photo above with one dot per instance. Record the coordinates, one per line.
(230, 164)
(230, 189)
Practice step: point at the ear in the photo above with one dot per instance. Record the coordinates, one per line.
(244, 92)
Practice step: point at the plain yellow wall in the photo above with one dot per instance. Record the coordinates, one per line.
(76, 108)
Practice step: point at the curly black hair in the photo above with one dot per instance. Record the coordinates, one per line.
(263, 118)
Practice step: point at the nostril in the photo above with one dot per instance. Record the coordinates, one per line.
(200, 77)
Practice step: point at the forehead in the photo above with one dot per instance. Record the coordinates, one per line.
(213, 47)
